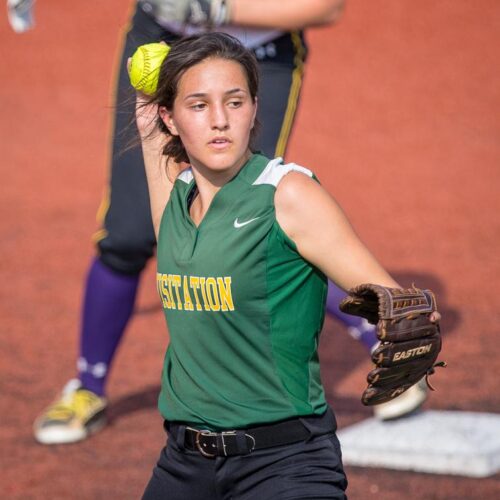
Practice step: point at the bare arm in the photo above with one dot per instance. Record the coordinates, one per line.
(285, 15)
(160, 174)
(323, 235)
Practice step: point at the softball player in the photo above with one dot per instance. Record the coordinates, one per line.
(242, 266)
(127, 239)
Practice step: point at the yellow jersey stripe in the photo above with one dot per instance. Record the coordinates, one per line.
(293, 97)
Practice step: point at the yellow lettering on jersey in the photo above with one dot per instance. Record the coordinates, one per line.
(204, 294)
(226, 297)
(175, 281)
(216, 294)
(164, 292)
(167, 291)
(212, 294)
(188, 303)
(170, 292)
(194, 282)
(158, 288)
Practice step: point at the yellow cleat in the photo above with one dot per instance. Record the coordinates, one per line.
(77, 414)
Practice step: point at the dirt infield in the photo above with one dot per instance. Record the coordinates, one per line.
(399, 118)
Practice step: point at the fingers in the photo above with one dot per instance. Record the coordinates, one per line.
(435, 317)
(142, 101)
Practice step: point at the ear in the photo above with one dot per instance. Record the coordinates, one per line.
(255, 111)
(168, 119)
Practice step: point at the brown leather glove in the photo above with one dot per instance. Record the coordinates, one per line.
(410, 341)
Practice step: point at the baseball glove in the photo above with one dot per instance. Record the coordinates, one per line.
(409, 341)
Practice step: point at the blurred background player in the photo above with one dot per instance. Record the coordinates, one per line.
(20, 14)
(127, 241)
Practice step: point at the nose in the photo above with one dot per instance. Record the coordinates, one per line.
(219, 117)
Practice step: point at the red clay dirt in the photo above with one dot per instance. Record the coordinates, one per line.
(399, 118)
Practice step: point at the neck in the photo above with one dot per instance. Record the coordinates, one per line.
(209, 182)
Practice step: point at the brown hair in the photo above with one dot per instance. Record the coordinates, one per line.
(188, 52)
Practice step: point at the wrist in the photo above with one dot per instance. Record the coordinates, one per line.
(209, 13)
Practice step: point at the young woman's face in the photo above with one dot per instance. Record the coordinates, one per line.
(213, 114)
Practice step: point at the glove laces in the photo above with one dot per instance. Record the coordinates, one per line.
(431, 371)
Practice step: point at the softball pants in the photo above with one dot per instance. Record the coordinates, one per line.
(306, 470)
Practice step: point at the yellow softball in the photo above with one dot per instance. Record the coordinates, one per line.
(144, 68)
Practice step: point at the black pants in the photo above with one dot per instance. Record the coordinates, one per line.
(305, 470)
(127, 240)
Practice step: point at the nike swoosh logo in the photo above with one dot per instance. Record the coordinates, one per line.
(237, 224)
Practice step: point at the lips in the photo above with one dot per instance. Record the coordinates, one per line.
(220, 142)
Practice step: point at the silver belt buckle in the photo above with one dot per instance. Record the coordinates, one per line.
(204, 432)
(199, 444)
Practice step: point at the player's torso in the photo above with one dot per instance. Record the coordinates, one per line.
(218, 283)
(229, 245)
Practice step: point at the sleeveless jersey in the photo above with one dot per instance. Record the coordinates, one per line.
(244, 309)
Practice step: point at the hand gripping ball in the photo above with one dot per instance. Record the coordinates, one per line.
(145, 64)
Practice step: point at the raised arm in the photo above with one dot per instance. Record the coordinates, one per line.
(274, 14)
(280, 14)
(160, 173)
(323, 235)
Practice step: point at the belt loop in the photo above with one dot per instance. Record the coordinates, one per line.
(181, 435)
(241, 442)
(177, 433)
(320, 425)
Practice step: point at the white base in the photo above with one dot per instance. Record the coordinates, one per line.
(458, 443)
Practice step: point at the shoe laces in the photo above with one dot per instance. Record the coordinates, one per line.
(74, 402)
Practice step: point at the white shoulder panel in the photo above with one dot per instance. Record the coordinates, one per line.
(276, 170)
(186, 176)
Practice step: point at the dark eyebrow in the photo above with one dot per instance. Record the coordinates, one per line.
(235, 91)
(202, 94)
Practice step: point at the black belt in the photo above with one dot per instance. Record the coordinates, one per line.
(242, 442)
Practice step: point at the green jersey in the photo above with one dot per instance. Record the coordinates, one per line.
(244, 309)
